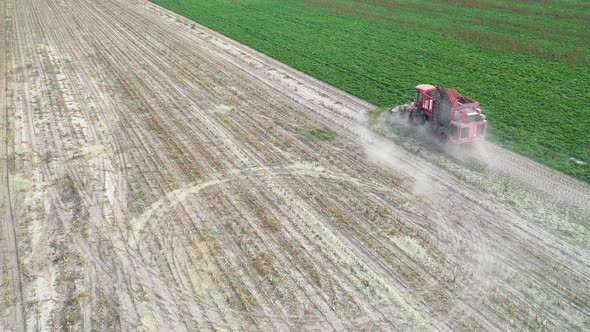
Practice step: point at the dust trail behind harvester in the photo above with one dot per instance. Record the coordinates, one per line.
(384, 152)
(428, 184)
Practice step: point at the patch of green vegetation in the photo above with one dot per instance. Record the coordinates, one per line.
(412, 247)
(323, 134)
(526, 62)
(20, 185)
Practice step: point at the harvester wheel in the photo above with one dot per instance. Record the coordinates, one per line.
(443, 134)
(418, 117)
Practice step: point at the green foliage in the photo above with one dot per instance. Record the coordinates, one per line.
(323, 134)
(526, 62)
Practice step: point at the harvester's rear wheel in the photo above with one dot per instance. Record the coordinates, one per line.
(417, 117)
(443, 134)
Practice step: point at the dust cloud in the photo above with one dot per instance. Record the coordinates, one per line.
(386, 153)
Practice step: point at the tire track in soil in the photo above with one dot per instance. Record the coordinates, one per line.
(10, 277)
(44, 61)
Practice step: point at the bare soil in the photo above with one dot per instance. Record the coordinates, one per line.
(154, 176)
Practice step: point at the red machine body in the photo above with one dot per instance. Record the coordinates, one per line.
(453, 117)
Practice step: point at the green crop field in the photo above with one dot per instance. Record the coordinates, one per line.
(527, 62)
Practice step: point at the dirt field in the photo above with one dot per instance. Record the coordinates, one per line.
(154, 176)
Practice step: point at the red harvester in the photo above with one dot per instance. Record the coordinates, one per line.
(452, 117)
